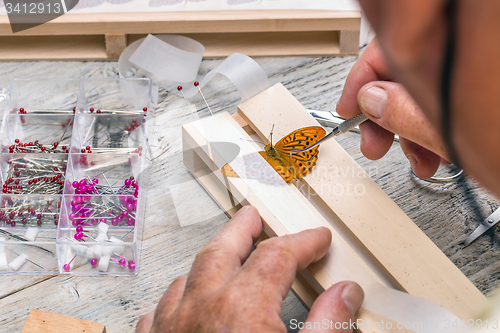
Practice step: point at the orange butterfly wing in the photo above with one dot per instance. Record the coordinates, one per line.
(278, 156)
(281, 169)
(302, 162)
(228, 171)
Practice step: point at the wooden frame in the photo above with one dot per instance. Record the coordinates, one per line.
(103, 36)
(399, 253)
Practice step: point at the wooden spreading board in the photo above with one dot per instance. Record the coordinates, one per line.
(259, 33)
(396, 247)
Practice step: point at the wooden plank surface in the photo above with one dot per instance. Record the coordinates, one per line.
(47, 322)
(258, 33)
(17, 48)
(218, 45)
(441, 211)
(193, 22)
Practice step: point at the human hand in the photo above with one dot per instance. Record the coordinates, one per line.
(369, 89)
(230, 289)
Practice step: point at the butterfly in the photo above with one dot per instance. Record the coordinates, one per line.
(278, 155)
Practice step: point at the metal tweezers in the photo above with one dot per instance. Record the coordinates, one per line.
(332, 119)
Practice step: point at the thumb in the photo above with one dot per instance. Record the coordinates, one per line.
(390, 106)
(333, 311)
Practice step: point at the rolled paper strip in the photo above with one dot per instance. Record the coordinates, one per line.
(4, 266)
(102, 228)
(149, 55)
(104, 263)
(154, 55)
(31, 234)
(18, 262)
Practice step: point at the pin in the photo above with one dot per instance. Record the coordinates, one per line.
(197, 85)
(20, 260)
(179, 88)
(24, 111)
(67, 266)
(24, 240)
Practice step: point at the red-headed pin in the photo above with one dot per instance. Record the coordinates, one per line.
(179, 88)
(197, 85)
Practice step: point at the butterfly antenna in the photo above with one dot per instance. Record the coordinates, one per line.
(271, 136)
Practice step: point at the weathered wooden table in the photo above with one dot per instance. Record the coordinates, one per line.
(443, 212)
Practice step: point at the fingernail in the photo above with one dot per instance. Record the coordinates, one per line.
(374, 101)
(353, 296)
(242, 210)
(413, 161)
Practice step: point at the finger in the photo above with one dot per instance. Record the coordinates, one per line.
(423, 162)
(145, 323)
(171, 299)
(334, 309)
(389, 105)
(375, 140)
(273, 265)
(369, 67)
(222, 257)
(445, 162)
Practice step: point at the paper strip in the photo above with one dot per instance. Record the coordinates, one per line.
(171, 60)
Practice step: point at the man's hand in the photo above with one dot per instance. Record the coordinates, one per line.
(390, 108)
(230, 289)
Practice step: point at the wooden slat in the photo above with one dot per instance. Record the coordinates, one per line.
(52, 48)
(115, 44)
(193, 22)
(257, 33)
(47, 322)
(371, 217)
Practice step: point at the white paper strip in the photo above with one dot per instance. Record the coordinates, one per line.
(171, 60)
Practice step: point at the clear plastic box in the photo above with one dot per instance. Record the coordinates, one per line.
(72, 155)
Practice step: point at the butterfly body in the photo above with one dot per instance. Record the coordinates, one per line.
(278, 156)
